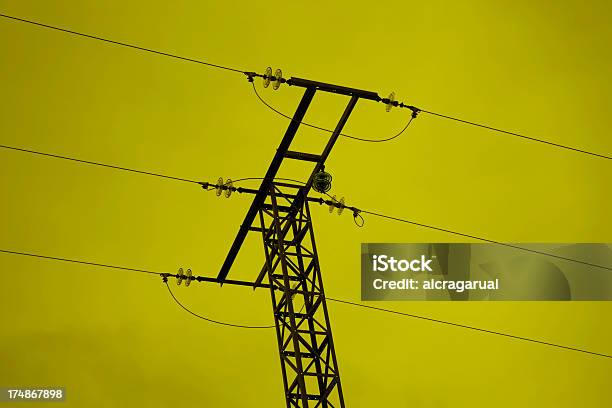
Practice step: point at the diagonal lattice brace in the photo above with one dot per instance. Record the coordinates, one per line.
(308, 360)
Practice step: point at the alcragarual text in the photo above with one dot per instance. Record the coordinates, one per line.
(434, 284)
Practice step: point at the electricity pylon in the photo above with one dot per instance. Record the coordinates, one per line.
(306, 348)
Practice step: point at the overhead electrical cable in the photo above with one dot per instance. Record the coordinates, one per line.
(301, 182)
(148, 173)
(250, 75)
(328, 298)
(603, 156)
(241, 326)
(463, 326)
(486, 240)
(413, 116)
(330, 130)
(53, 258)
(165, 54)
(57, 156)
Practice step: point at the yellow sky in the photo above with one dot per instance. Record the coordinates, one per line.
(114, 338)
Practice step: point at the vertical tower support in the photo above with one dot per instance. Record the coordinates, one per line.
(308, 359)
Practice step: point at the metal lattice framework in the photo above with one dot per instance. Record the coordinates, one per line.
(306, 347)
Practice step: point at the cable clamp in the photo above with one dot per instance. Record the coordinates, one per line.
(250, 76)
(357, 216)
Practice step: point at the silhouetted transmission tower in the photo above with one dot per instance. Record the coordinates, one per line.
(281, 214)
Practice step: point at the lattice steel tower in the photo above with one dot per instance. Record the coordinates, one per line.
(280, 213)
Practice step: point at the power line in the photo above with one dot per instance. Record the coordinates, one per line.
(357, 213)
(97, 163)
(165, 275)
(415, 110)
(517, 134)
(148, 173)
(201, 62)
(329, 130)
(53, 258)
(486, 240)
(241, 326)
(301, 182)
(380, 309)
